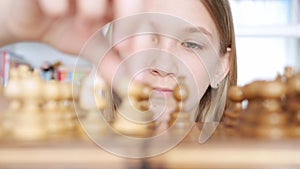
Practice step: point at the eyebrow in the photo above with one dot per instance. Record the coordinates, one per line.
(199, 29)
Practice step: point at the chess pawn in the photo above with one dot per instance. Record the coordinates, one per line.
(139, 91)
(248, 116)
(73, 101)
(30, 120)
(67, 108)
(293, 86)
(138, 98)
(131, 121)
(13, 92)
(53, 115)
(232, 114)
(180, 119)
(131, 117)
(92, 101)
(272, 122)
(293, 103)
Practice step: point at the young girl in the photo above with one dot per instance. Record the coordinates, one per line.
(193, 40)
(174, 39)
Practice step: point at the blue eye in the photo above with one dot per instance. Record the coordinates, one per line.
(191, 45)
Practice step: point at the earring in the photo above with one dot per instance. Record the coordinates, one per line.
(215, 85)
(154, 40)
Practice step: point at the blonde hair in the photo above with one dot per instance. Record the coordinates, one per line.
(214, 100)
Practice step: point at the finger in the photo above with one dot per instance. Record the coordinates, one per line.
(128, 7)
(55, 8)
(92, 9)
(99, 53)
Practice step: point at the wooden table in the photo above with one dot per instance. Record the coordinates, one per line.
(216, 153)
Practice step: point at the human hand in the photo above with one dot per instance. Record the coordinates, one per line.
(65, 25)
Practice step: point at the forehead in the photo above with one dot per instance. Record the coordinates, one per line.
(192, 11)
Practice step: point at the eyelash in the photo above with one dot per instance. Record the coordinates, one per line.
(191, 45)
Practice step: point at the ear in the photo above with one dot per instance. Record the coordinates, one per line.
(222, 69)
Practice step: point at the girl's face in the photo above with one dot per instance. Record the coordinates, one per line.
(173, 39)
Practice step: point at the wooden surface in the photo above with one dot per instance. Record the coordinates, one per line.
(216, 153)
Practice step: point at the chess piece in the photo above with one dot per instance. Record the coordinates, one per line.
(248, 117)
(264, 116)
(67, 108)
(181, 120)
(13, 93)
(92, 101)
(53, 115)
(232, 114)
(133, 117)
(293, 103)
(72, 102)
(30, 123)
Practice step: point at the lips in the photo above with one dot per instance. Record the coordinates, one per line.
(163, 90)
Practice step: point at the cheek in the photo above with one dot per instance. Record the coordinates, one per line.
(144, 77)
(197, 80)
(200, 74)
(195, 70)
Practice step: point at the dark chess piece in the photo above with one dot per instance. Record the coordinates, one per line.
(264, 116)
(293, 103)
(231, 119)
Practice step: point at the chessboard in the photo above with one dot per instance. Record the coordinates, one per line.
(216, 153)
(40, 129)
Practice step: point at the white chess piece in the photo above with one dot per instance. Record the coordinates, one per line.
(30, 121)
(13, 93)
(53, 115)
(132, 119)
(92, 101)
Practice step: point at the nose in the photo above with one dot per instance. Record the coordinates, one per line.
(159, 72)
(163, 63)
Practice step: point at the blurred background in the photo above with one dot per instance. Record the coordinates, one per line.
(268, 33)
(268, 39)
